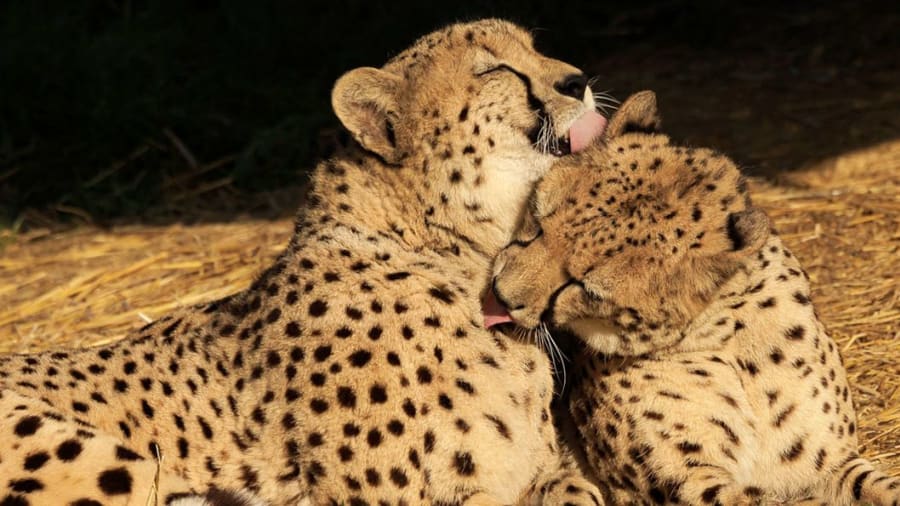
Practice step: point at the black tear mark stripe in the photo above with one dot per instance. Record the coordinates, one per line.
(533, 102)
(523, 243)
(548, 312)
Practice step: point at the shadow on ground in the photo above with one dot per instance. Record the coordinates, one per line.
(130, 111)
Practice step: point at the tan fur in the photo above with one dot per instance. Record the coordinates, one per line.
(355, 370)
(705, 376)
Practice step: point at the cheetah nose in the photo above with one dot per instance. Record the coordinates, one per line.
(573, 86)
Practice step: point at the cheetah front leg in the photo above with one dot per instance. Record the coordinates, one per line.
(49, 458)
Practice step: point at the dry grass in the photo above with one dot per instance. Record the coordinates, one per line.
(841, 218)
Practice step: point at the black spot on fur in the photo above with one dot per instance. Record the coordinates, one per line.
(26, 486)
(378, 394)
(374, 438)
(429, 441)
(399, 477)
(463, 463)
(318, 405)
(346, 397)
(423, 374)
(688, 447)
(68, 450)
(123, 453)
(710, 494)
(318, 308)
(27, 426)
(115, 481)
(793, 453)
(795, 333)
(35, 461)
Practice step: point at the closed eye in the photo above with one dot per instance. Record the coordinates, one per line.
(591, 294)
(525, 241)
(499, 68)
(596, 297)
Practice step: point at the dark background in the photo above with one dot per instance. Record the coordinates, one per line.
(142, 110)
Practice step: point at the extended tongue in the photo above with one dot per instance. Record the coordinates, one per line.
(494, 313)
(585, 129)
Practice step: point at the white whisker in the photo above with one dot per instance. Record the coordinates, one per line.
(606, 96)
(546, 141)
(607, 110)
(603, 100)
(605, 103)
(614, 105)
(557, 357)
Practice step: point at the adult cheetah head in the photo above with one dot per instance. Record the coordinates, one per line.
(629, 240)
(470, 117)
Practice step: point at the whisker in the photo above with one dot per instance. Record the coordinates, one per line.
(606, 101)
(557, 357)
(605, 95)
(540, 142)
(607, 110)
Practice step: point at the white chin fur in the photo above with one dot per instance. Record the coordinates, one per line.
(599, 335)
(589, 101)
(509, 183)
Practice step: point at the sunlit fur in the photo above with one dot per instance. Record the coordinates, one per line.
(355, 369)
(704, 375)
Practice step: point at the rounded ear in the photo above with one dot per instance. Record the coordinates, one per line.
(553, 189)
(748, 230)
(637, 114)
(365, 100)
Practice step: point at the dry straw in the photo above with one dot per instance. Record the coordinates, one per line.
(840, 217)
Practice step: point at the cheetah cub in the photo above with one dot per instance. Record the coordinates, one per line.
(706, 376)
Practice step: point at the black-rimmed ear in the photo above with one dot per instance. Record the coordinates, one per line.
(553, 189)
(365, 100)
(747, 230)
(637, 114)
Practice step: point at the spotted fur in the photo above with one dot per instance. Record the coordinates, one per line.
(355, 370)
(704, 375)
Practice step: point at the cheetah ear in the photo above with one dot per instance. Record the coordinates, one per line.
(748, 230)
(637, 114)
(365, 100)
(553, 189)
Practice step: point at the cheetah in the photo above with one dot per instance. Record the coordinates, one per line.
(703, 374)
(356, 369)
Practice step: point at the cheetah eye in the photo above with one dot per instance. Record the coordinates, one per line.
(529, 232)
(593, 291)
(494, 68)
(481, 72)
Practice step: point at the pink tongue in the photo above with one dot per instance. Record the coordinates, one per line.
(588, 127)
(494, 313)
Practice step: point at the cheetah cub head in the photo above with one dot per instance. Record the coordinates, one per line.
(628, 241)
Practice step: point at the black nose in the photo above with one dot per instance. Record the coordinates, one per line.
(573, 86)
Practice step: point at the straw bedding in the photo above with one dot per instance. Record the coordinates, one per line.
(841, 217)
